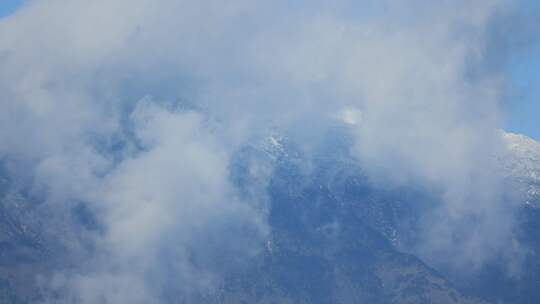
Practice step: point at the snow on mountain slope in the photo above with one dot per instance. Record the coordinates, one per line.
(522, 165)
(524, 159)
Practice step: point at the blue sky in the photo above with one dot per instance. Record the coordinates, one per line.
(8, 6)
(523, 107)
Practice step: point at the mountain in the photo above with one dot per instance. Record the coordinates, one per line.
(334, 237)
(522, 165)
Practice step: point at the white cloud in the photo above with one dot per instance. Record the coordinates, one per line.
(74, 72)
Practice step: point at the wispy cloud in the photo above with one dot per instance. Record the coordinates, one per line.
(92, 95)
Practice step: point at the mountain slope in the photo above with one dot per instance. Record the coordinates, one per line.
(334, 237)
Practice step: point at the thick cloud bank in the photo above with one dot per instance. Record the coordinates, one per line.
(135, 108)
